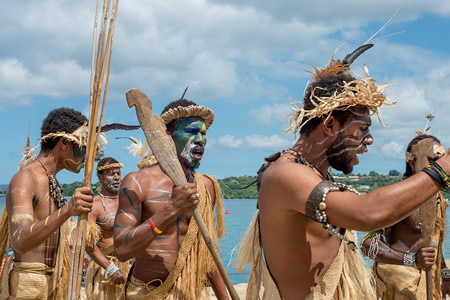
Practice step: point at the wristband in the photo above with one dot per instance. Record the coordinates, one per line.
(445, 273)
(409, 260)
(438, 174)
(111, 269)
(154, 227)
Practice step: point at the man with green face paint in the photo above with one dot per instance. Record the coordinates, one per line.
(154, 220)
(36, 211)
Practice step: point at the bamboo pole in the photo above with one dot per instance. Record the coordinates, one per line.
(104, 51)
(164, 149)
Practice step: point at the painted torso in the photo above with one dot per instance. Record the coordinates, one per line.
(42, 206)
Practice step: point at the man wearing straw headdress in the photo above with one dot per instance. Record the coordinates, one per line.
(305, 220)
(34, 224)
(400, 259)
(105, 275)
(154, 221)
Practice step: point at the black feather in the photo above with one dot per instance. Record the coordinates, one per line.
(118, 126)
(350, 58)
(182, 97)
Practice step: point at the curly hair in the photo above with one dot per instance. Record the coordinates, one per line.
(181, 102)
(325, 86)
(104, 161)
(60, 120)
(414, 141)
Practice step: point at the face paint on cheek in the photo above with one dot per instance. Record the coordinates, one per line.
(79, 151)
(77, 165)
(187, 150)
(112, 183)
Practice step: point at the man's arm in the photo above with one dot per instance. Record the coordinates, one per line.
(425, 257)
(383, 207)
(97, 255)
(26, 233)
(131, 234)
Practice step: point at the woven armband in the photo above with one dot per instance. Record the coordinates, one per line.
(315, 198)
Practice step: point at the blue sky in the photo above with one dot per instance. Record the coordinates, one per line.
(243, 59)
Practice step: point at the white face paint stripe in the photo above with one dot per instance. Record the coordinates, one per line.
(128, 215)
(187, 151)
(345, 150)
(139, 186)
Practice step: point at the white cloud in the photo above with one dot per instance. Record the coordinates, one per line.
(393, 150)
(229, 141)
(270, 113)
(222, 50)
(260, 142)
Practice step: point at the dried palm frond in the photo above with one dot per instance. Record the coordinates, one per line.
(356, 92)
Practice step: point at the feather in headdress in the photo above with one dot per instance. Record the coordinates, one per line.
(138, 148)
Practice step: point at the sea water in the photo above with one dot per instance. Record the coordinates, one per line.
(238, 217)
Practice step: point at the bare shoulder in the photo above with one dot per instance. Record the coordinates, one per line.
(208, 182)
(288, 182)
(141, 181)
(24, 181)
(96, 206)
(289, 174)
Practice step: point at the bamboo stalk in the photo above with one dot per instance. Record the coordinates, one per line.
(96, 86)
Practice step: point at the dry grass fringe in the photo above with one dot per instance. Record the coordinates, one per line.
(356, 92)
(250, 253)
(93, 234)
(358, 280)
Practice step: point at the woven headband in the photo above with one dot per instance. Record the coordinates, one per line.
(109, 166)
(187, 112)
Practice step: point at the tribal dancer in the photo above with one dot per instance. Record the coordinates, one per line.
(305, 219)
(154, 220)
(105, 276)
(34, 223)
(399, 260)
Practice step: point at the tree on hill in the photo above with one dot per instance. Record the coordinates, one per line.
(394, 173)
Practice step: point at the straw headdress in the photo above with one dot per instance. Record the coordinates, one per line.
(180, 112)
(360, 91)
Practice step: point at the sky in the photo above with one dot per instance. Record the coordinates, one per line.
(243, 59)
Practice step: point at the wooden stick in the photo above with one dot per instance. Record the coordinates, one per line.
(423, 151)
(164, 149)
(93, 139)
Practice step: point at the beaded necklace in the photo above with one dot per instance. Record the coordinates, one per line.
(107, 197)
(320, 213)
(55, 190)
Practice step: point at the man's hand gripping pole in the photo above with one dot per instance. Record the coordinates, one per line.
(164, 150)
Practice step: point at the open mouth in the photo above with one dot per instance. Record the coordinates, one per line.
(197, 152)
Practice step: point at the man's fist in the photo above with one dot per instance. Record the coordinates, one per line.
(425, 257)
(81, 201)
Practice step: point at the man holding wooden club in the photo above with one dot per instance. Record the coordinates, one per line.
(154, 220)
(399, 254)
(34, 222)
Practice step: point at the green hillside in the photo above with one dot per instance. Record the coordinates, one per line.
(238, 187)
